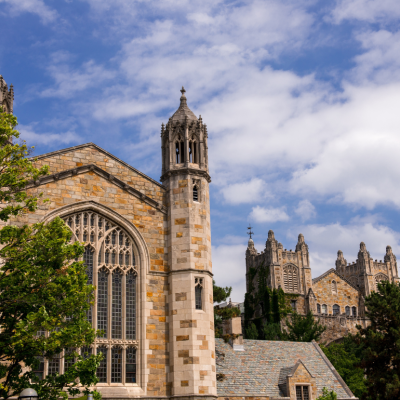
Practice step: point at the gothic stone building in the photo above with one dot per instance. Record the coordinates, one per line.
(336, 297)
(148, 253)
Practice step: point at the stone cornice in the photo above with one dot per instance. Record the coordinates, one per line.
(81, 146)
(104, 174)
(187, 171)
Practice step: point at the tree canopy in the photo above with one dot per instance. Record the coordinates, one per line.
(381, 343)
(303, 328)
(44, 295)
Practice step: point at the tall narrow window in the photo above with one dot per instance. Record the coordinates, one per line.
(130, 365)
(191, 152)
(116, 319)
(130, 305)
(69, 359)
(54, 365)
(354, 311)
(336, 309)
(195, 155)
(195, 193)
(324, 309)
(177, 152)
(293, 305)
(88, 261)
(334, 287)
(198, 293)
(291, 278)
(102, 302)
(39, 368)
(319, 308)
(116, 364)
(102, 369)
(86, 352)
(182, 153)
(302, 393)
(347, 309)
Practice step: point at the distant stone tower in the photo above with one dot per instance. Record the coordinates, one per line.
(191, 324)
(6, 96)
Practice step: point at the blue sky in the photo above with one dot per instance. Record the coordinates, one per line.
(301, 99)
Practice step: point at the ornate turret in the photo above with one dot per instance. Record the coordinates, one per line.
(341, 262)
(185, 177)
(6, 96)
(184, 143)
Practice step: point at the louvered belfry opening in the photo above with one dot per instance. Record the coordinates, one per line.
(291, 278)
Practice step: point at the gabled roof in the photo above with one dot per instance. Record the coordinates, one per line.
(319, 278)
(104, 174)
(263, 366)
(101, 150)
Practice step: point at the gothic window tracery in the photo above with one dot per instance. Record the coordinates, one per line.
(291, 278)
(111, 266)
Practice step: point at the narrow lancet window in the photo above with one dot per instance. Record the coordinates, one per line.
(102, 302)
(116, 364)
(131, 365)
(195, 193)
(199, 293)
(130, 306)
(116, 305)
(102, 369)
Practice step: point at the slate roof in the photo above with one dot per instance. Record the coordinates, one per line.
(260, 370)
(183, 111)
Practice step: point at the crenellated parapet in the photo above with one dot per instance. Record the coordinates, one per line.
(6, 96)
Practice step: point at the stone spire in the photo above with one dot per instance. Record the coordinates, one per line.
(6, 96)
(183, 111)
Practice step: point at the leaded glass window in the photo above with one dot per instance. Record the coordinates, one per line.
(102, 369)
(110, 261)
(347, 309)
(354, 311)
(116, 329)
(302, 393)
(86, 352)
(336, 309)
(131, 305)
(116, 364)
(88, 260)
(102, 301)
(69, 359)
(130, 365)
(319, 308)
(54, 365)
(291, 278)
(39, 368)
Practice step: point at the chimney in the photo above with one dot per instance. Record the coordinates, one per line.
(232, 330)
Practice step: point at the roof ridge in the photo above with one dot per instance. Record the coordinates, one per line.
(80, 146)
(318, 278)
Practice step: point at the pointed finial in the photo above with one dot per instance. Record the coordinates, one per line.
(250, 231)
(183, 91)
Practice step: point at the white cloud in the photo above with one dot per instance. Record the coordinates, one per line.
(261, 214)
(229, 268)
(68, 81)
(305, 210)
(325, 240)
(366, 10)
(33, 138)
(245, 192)
(38, 7)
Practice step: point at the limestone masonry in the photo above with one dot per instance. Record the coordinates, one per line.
(148, 253)
(336, 297)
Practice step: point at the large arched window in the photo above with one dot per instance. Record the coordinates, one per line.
(111, 266)
(291, 278)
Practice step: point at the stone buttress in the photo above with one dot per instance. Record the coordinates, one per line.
(191, 325)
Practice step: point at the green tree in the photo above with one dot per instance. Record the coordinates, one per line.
(251, 332)
(303, 328)
(381, 343)
(345, 357)
(272, 331)
(327, 395)
(42, 288)
(220, 293)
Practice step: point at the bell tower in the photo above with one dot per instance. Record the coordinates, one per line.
(191, 314)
